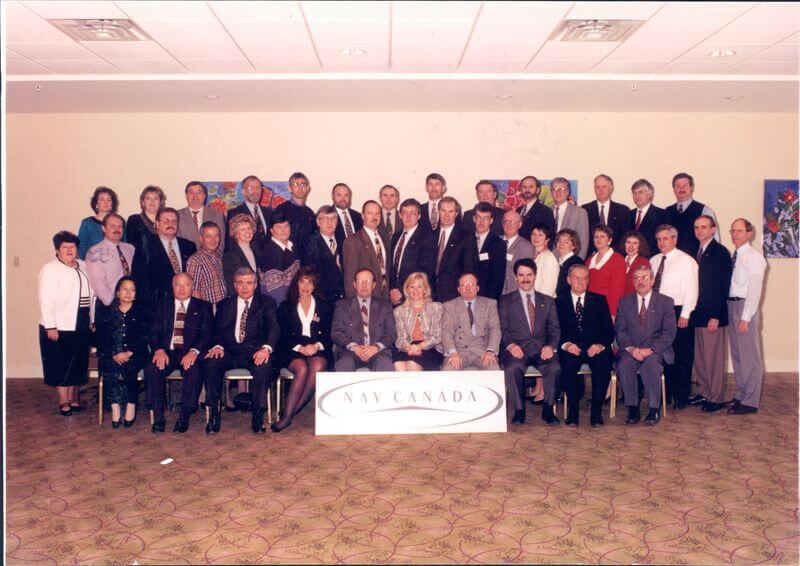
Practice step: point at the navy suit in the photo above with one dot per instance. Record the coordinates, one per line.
(459, 257)
(539, 213)
(491, 267)
(318, 256)
(357, 223)
(654, 218)
(419, 254)
(497, 221)
(152, 270)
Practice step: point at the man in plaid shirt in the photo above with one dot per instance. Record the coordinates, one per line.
(205, 266)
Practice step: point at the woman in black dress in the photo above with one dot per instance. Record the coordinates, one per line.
(305, 343)
(123, 329)
(139, 225)
(567, 245)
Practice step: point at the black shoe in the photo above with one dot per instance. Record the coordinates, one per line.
(742, 409)
(680, 405)
(258, 421)
(571, 422)
(231, 409)
(277, 427)
(65, 409)
(709, 407)
(181, 425)
(158, 426)
(77, 408)
(596, 421)
(653, 416)
(212, 427)
(734, 402)
(116, 424)
(519, 417)
(633, 415)
(697, 400)
(548, 415)
(129, 423)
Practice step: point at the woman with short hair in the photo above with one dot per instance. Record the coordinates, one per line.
(103, 202)
(151, 200)
(606, 269)
(637, 253)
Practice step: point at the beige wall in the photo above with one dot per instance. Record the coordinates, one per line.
(55, 161)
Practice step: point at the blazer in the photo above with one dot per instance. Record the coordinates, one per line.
(430, 323)
(152, 270)
(419, 254)
(188, 230)
(490, 268)
(514, 324)
(359, 253)
(617, 218)
(261, 328)
(197, 325)
(233, 259)
(397, 225)
(497, 221)
(562, 286)
(292, 327)
(136, 228)
(539, 213)
(259, 238)
(597, 325)
(519, 249)
(347, 328)
(318, 256)
(654, 218)
(576, 218)
(302, 221)
(660, 325)
(714, 275)
(639, 261)
(459, 257)
(425, 216)
(457, 332)
(609, 280)
(358, 222)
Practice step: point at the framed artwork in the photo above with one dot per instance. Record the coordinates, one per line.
(508, 197)
(780, 218)
(223, 195)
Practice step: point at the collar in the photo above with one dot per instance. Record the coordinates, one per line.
(671, 253)
(563, 205)
(185, 303)
(564, 258)
(410, 231)
(599, 203)
(166, 242)
(288, 246)
(684, 203)
(241, 301)
(199, 210)
(524, 295)
(371, 233)
(511, 240)
(645, 208)
(646, 298)
(746, 247)
(575, 297)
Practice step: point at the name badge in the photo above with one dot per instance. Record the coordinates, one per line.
(509, 257)
(484, 256)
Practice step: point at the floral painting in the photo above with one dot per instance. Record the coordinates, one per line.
(224, 195)
(780, 218)
(508, 196)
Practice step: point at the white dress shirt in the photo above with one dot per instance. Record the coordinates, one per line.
(524, 296)
(373, 235)
(748, 279)
(446, 231)
(575, 298)
(409, 233)
(679, 281)
(562, 210)
(481, 238)
(342, 215)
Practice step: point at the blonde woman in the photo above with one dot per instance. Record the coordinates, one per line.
(419, 327)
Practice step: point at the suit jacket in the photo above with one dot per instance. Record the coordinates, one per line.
(260, 238)
(188, 230)
(233, 259)
(597, 325)
(519, 249)
(654, 218)
(358, 222)
(359, 253)
(514, 324)
(497, 221)
(347, 328)
(318, 256)
(460, 256)
(539, 213)
(397, 225)
(292, 327)
(562, 286)
(457, 332)
(152, 270)
(197, 326)
(617, 218)
(660, 325)
(419, 254)
(714, 274)
(490, 267)
(576, 218)
(261, 327)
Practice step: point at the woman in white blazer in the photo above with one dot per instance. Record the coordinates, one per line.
(66, 304)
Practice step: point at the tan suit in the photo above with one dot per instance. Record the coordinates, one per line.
(457, 333)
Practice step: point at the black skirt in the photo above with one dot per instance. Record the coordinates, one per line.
(430, 360)
(65, 361)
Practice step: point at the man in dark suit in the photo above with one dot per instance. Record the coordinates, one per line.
(363, 328)
(436, 187)
(710, 316)
(586, 336)
(607, 212)
(301, 217)
(390, 216)
(685, 211)
(486, 191)
(645, 328)
(191, 218)
(159, 258)
(324, 255)
(182, 332)
(245, 335)
(530, 335)
(533, 211)
(490, 266)
(252, 189)
(646, 217)
(457, 251)
(413, 249)
(350, 221)
(366, 249)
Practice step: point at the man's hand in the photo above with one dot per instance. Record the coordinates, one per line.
(365, 353)
(516, 351)
(573, 349)
(743, 326)
(487, 359)
(395, 296)
(454, 360)
(215, 352)
(594, 349)
(122, 357)
(160, 358)
(52, 334)
(547, 353)
(188, 359)
(683, 322)
(261, 356)
(713, 324)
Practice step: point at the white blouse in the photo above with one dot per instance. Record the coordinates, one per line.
(60, 291)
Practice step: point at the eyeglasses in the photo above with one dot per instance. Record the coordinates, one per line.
(641, 277)
(509, 222)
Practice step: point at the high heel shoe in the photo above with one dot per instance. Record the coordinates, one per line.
(65, 412)
(76, 408)
(116, 424)
(274, 427)
(129, 423)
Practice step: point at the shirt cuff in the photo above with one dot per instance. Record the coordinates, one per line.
(296, 348)
(195, 350)
(380, 346)
(320, 345)
(267, 347)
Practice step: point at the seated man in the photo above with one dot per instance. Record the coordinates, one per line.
(245, 334)
(181, 333)
(470, 328)
(530, 334)
(586, 336)
(363, 328)
(646, 327)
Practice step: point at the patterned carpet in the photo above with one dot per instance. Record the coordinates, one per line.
(698, 488)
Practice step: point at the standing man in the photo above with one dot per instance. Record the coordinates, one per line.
(205, 266)
(350, 221)
(568, 215)
(490, 267)
(390, 217)
(181, 334)
(646, 217)
(470, 328)
(414, 249)
(743, 298)
(517, 248)
(530, 334)
(192, 217)
(608, 213)
(685, 211)
(457, 251)
(252, 189)
(366, 249)
(109, 260)
(676, 277)
(533, 211)
(486, 192)
(436, 187)
(710, 316)
(301, 218)
(245, 335)
(324, 255)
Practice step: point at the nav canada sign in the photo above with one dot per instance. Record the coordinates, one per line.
(410, 402)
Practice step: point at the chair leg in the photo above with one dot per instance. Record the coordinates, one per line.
(100, 400)
(278, 396)
(269, 405)
(613, 410)
(565, 404)
(152, 417)
(663, 396)
(208, 413)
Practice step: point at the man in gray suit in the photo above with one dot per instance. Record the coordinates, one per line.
(363, 329)
(568, 215)
(470, 328)
(192, 217)
(517, 247)
(530, 335)
(645, 328)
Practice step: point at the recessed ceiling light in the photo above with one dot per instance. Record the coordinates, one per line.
(352, 51)
(212, 96)
(721, 53)
(734, 97)
(503, 97)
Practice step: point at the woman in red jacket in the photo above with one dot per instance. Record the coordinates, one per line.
(637, 252)
(606, 268)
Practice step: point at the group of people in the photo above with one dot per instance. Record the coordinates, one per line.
(404, 286)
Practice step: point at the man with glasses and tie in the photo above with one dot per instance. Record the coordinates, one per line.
(350, 221)
(245, 336)
(413, 249)
(517, 248)
(192, 217)
(606, 212)
(324, 255)
(252, 190)
(470, 329)
(366, 249)
(109, 260)
(567, 215)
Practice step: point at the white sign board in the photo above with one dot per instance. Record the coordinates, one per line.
(413, 402)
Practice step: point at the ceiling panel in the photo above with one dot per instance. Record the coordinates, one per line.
(24, 25)
(222, 48)
(695, 67)
(256, 11)
(166, 11)
(204, 66)
(128, 50)
(560, 66)
(623, 66)
(62, 10)
(79, 66)
(566, 50)
(148, 67)
(435, 11)
(766, 68)
(773, 12)
(793, 40)
(702, 52)
(52, 50)
(346, 11)
(614, 10)
(434, 44)
(13, 55)
(25, 67)
(779, 52)
(280, 33)
(742, 31)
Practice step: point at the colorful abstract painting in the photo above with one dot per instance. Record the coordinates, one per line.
(224, 195)
(508, 196)
(781, 218)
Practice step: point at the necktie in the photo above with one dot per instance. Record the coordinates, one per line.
(638, 219)
(177, 332)
(348, 227)
(389, 228)
(243, 322)
(399, 251)
(556, 217)
(471, 316)
(365, 322)
(579, 315)
(332, 246)
(434, 216)
(659, 274)
(379, 253)
(680, 209)
(259, 225)
(126, 269)
(439, 255)
(603, 214)
(642, 313)
(531, 312)
(733, 260)
(699, 254)
(194, 217)
(173, 258)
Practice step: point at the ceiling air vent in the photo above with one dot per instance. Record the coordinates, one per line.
(101, 30)
(595, 30)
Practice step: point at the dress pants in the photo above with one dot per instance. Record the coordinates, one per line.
(471, 358)
(709, 363)
(573, 383)
(514, 370)
(214, 374)
(650, 369)
(155, 380)
(748, 369)
(679, 373)
(348, 361)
